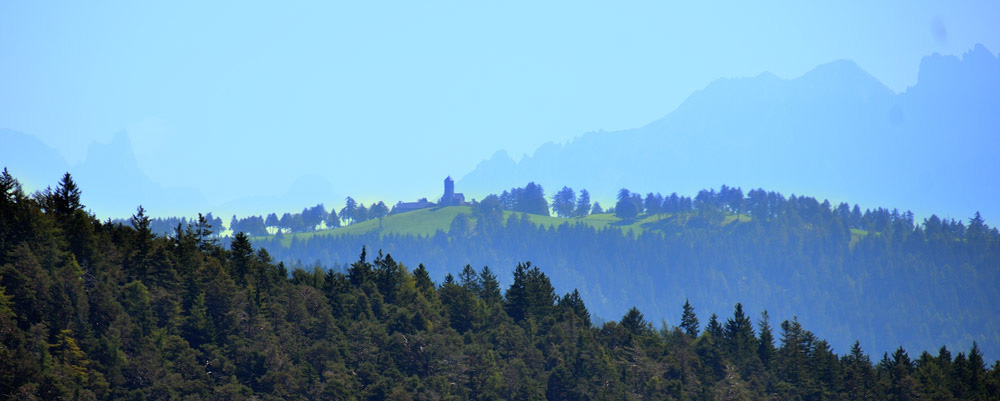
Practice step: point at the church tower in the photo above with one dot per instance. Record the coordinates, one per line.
(449, 192)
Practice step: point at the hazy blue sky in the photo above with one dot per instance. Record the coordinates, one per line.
(384, 99)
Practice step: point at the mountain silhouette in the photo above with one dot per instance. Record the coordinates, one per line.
(116, 185)
(35, 164)
(834, 132)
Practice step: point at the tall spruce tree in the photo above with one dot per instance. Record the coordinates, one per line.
(714, 329)
(582, 204)
(489, 287)
(689, 321)
(739, 340)
(765, 344)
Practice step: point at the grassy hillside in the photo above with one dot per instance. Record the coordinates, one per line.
(426, 222)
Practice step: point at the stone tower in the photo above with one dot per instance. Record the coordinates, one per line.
(449, 192)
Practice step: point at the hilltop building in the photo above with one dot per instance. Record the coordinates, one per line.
(403, 207)
(449, 198)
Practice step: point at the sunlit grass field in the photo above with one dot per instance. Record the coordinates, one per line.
(426, 222)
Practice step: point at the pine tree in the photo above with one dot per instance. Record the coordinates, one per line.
(241, 257)
(66, 198)
(858, 378)
(349, 210)
(203, 233)
(469, 280)
(198, 328)
(689, 321)
(765, 345)
(582, 203)
(977, 370)
(332, 220)
(531, 293)
(422, 281)
(739, 336)
(904, 386)
(360, 272)
(489, 289)
(714, 329)
(573, 302)
(634, 322)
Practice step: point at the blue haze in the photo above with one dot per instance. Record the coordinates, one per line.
(233, 107)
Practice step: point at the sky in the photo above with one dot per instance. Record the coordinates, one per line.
(384, 99)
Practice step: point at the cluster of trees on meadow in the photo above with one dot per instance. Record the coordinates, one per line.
(527, 199)
(92, 310)
(353, 212)
(566, 203)
(310, 219)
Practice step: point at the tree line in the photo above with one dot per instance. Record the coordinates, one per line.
(862, 275)
(105, 310)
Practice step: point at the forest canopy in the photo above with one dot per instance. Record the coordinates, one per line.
(105, 310)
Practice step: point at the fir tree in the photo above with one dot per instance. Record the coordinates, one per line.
(689, 321)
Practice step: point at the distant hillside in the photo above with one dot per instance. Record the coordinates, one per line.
(877, 276)
(835, 132)
(426, 222)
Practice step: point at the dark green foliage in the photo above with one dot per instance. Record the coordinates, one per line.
(349, 210)
(469, 280)
(738, 336)
(689, 321)
(574, 303)
(530, 199)
(791, 254)
(152, 317)
(66, 198)
(635, 323)
(714, 329)
(564, 202)
(252, 225)
(765, 343)
(489, 287)
(582, 204)
(627, 208)
(531, 294)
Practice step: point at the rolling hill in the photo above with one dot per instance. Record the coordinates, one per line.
(425, 222)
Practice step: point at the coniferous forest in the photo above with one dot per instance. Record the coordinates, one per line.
(92, 310)
(876, 276)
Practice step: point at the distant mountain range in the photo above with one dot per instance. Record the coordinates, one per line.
(835, 132)
(114, 184)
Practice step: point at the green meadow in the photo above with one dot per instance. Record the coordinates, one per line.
(426, 222)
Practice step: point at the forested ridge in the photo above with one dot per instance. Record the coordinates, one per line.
(104, 310)
(875, 275)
